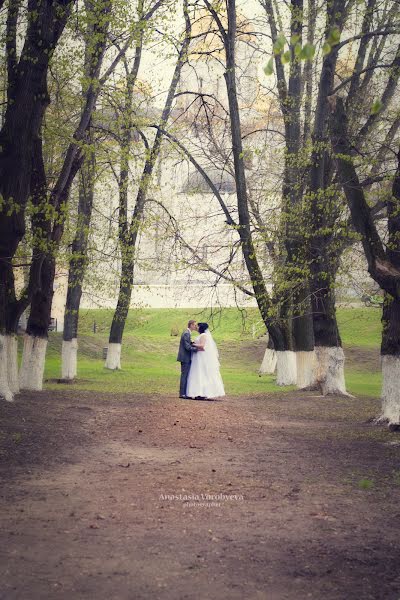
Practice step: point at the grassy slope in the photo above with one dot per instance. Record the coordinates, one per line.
(149, 350)
(361, 328)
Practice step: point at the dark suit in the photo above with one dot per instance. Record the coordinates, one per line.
(185, 358)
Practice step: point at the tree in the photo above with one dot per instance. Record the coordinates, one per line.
(128, 231)
(27, 99)
(294, 293)
(326, 236)
(314, 231)
(78, 260)
(383, 262)
(228, 37)
(51, 209)
(77, 266)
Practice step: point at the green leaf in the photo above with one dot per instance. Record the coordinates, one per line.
(307, 52)
(334, 36)
(285, 57)
(269, 67)
(279, 44)
(326, 48)
(376, 107)
(294, 39)
(297, 49)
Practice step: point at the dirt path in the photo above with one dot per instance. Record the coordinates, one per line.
(89, 508)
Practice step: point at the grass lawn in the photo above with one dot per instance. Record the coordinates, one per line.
(149, 350)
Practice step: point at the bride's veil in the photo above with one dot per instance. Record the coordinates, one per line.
(212, 348)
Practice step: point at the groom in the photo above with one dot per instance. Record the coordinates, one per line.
(186, 347)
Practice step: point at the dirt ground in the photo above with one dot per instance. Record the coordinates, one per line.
(304, 498)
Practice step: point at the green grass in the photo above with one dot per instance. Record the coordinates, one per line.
(363, 383)
(360, 326)
(156, 324)
(149, 351)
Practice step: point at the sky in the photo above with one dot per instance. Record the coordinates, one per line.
(157, 69)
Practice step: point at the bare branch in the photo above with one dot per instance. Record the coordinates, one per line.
(209, 182)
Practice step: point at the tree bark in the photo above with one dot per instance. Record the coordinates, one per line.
(77, 268)
(322, 255)
(390, 347)
(268, 365)
(50, 230)
(291, 270)
(28, 99)
(35, 344)
(383, 264)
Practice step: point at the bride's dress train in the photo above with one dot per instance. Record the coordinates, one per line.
(204, 376)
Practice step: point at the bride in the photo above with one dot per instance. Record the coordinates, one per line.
(204, 379)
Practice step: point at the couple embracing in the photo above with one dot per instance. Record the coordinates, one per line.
(200, 376)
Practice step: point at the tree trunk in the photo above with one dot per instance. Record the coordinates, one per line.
(77, 269)
(390, 349)
(390, 354)
(121, 312)
(383, 265)
(48, 236)
(276, 330)
(268, 365)
(322, 258)
(51, 231)
(35, 343)
(28, 100)
(5, 390)
(303, 333)
(292, 255)
(12, 362)
(328, 345)
(286, 368)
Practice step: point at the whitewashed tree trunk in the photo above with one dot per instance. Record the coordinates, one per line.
(391, 389)
(330, 369)
(306, 369)
(268, 364)
(33, 361)
(113, 361)
(5, 391)
(12, 363)
(69, 359)
(286, 367)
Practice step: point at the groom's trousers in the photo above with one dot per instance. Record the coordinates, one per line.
(185, 368)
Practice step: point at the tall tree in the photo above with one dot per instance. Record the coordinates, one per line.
(78, 262)
(293, 291)
(326, 243)
(27, 99)
(277, 332)
(316, 232)
(383, 256)
(128, 231)
(49, 219)
(79, 259)
(330, 357)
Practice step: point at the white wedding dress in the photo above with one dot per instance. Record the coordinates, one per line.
(204, 376)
